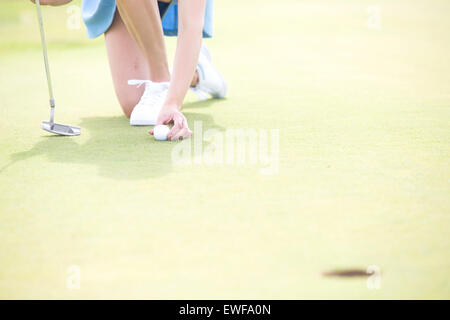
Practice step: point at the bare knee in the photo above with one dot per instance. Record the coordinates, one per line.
(128, 97)
(127, 103)
(127, 107)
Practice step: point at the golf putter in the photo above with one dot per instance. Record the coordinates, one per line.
(51, 126)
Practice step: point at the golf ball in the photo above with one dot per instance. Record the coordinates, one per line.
(160, 132)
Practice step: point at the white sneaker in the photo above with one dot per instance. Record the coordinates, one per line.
(209, 79)
(146, 112)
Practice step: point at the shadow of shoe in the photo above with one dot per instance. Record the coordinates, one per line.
(201, 104)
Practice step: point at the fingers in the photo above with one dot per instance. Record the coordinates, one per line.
(180, 129)
(162, 119)
(182, 134)
(177, 126)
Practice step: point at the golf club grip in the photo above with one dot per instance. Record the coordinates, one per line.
(44, 50)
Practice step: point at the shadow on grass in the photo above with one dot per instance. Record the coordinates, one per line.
(118, 150)
(200, 104)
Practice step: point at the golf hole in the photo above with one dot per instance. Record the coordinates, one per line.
(348, 273)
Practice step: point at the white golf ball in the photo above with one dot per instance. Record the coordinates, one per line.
(160, 132)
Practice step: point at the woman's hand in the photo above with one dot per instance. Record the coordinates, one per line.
(52, 2)
(171, 114)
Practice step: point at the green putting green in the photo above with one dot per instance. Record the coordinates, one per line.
(362, 106)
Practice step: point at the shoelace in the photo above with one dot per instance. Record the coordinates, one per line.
(154, 91)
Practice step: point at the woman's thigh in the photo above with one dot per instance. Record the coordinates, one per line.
(126, 62)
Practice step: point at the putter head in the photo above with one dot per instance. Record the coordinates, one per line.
(61, 129)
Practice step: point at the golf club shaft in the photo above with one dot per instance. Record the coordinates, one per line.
(47, 68)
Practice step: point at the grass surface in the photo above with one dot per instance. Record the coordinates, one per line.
(364, 172)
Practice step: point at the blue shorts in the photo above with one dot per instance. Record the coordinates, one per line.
(98, 16)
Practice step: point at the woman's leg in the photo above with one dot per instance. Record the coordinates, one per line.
(126, 62)
(143, 22)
